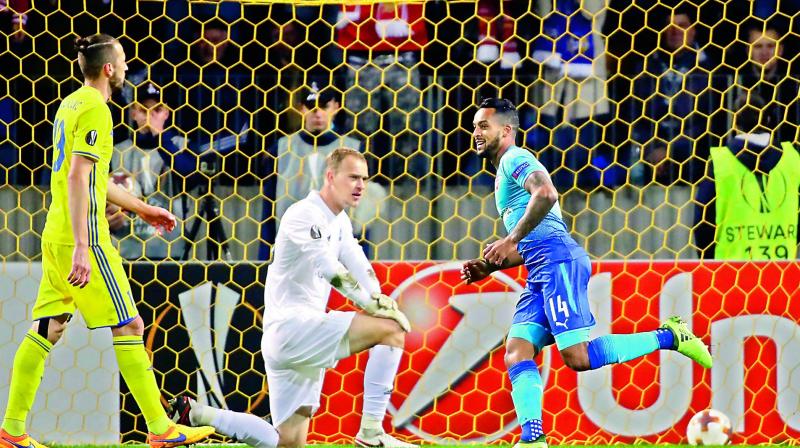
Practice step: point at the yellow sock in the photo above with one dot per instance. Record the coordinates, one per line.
(26, 375)
(134, 364)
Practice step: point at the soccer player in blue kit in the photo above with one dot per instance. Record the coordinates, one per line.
(554, 308)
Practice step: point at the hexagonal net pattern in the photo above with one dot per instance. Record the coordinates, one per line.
(230, 108)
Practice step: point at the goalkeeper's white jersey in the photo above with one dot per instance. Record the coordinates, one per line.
(310, 243)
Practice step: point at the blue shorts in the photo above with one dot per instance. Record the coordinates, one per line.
(555, 306)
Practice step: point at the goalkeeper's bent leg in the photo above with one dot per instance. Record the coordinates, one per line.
(241, 426)
(385, 340)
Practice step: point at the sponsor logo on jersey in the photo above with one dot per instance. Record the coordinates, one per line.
(315, 232)
(518, 170)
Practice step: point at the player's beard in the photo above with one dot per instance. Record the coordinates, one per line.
(490, 148)
(116, 83)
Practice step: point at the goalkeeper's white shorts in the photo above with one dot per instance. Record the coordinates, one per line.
(296, 351)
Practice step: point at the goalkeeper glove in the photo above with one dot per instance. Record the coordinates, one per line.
(381, 305)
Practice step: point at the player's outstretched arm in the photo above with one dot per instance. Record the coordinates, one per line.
(543, 196)
(78, 198)
(157, 217)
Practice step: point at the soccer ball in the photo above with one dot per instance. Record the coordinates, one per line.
(709, 427)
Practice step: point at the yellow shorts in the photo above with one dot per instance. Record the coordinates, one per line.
(106, 301)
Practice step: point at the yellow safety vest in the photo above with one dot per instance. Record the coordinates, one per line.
(756, 218)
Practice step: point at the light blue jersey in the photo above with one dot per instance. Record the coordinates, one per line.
(549, 242)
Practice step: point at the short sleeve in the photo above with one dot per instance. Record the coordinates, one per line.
(92, 133)
(520, 165)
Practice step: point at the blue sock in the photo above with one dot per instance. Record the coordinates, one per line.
(526, 392)
(618, 348)
(666, 339)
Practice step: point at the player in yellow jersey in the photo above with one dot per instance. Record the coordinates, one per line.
(80, 267)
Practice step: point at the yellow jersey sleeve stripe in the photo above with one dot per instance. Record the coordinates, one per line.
(86, 154)
(93, 232)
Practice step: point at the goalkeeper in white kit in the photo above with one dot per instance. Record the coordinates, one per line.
(315, 250)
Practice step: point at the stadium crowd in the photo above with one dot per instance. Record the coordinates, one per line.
(612, 93)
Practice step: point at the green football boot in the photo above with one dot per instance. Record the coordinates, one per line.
(687, 343)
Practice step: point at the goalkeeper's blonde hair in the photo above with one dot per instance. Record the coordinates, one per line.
(334, 160)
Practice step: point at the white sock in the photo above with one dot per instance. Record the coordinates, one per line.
(379, 383)
(244, 427)
(201, 415)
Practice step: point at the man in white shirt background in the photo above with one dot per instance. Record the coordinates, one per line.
(314, 251)
(147, 165)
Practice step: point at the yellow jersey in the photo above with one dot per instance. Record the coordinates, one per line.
(82, 126)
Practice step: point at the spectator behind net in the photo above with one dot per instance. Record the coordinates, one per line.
(747, 206)
(674, 101)
(767, 75)
(152, 165)
(382, 46)
(214, 119)
(297, 163)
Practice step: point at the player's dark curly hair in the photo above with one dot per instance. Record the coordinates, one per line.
(505, 111)
(93, 53)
